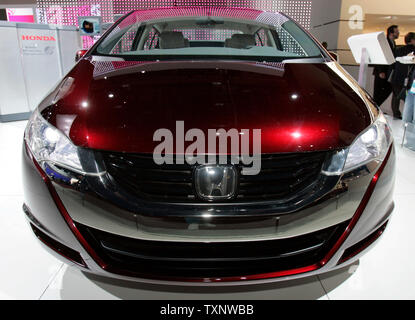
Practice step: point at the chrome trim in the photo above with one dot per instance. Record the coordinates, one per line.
(210, 178)
(90, 174)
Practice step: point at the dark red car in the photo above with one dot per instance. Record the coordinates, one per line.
(97, 196)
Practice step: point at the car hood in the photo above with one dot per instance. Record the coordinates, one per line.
(118, 105)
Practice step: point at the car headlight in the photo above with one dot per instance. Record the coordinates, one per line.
(50, 146)
(372, 144)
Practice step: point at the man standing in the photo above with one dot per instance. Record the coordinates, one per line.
(400, 73)
(383, 88)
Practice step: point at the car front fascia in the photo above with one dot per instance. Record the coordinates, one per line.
(57, 223)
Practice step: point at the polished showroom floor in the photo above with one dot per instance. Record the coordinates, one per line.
(29, 272)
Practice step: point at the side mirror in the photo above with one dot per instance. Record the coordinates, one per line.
(334, 55)
(79, 54)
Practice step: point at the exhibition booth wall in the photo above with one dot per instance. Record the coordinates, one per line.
(33, 58)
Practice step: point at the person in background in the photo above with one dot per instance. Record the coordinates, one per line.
(88, 27)
(325, 45)
(382, 88)
(400, 73)
(409, 109)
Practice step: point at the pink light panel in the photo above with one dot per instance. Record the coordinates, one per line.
(66, 12)
(20, 15)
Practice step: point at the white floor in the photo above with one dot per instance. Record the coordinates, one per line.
(29, 272)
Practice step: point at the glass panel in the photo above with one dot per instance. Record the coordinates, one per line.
(270, 36)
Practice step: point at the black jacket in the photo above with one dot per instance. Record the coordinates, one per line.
(400, 71)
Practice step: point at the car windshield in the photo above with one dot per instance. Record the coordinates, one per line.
(262, 36)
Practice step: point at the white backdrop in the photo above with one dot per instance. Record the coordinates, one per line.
(33, 58)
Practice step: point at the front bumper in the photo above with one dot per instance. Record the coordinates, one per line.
(361, 205)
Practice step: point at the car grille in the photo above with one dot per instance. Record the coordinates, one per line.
(281, 177)
(164, 259)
